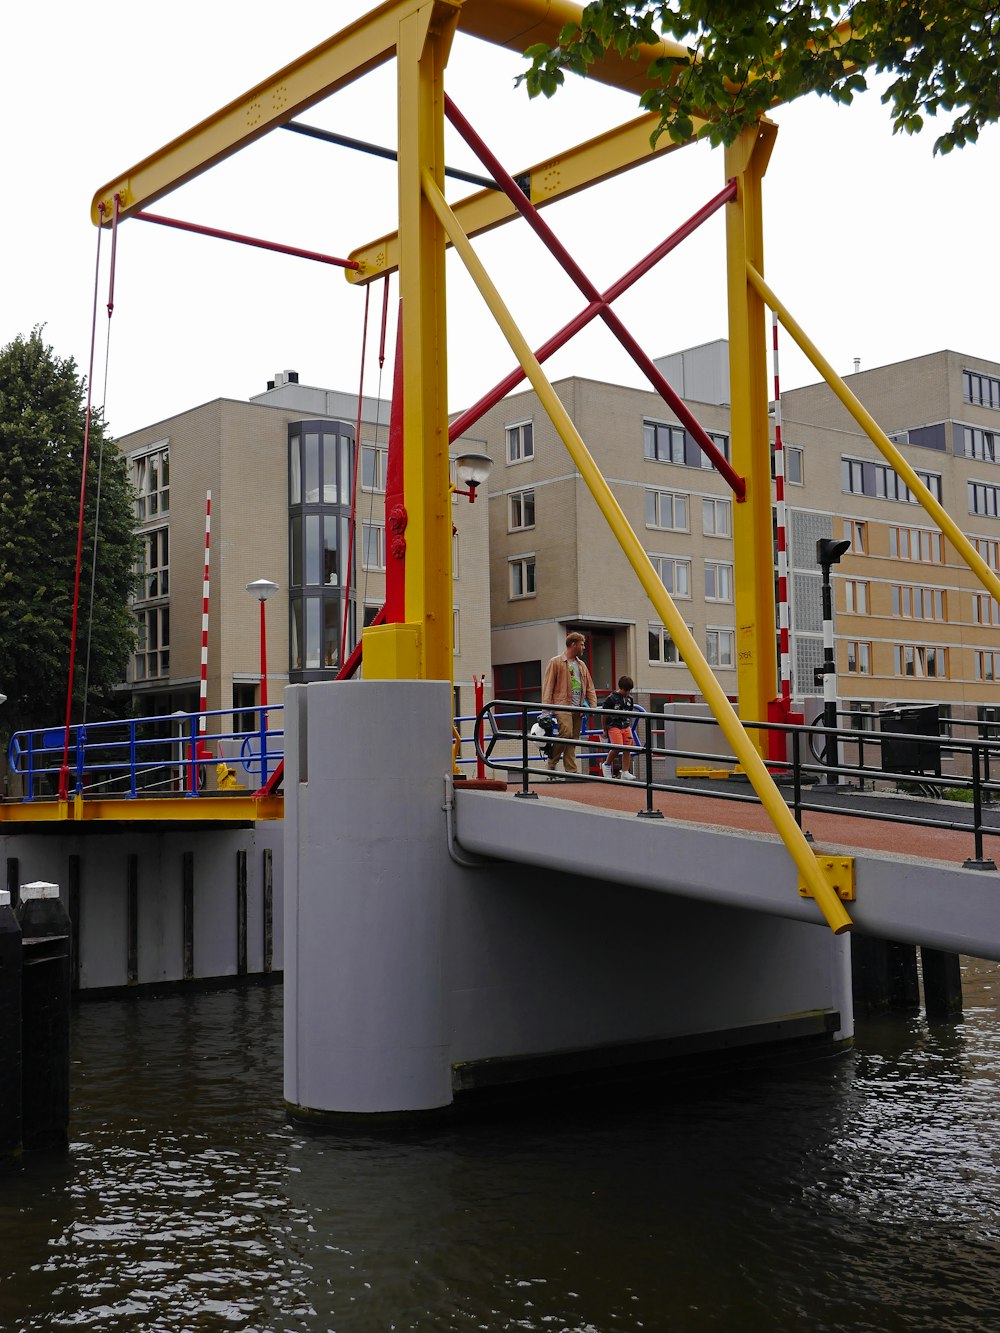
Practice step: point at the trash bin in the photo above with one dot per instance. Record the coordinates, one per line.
(900, 754)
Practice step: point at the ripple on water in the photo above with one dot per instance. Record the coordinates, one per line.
(855, 1194)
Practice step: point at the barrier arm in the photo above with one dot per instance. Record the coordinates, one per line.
(754, 767)
(961, 544)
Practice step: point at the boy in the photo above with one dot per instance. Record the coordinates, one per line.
(619, 728)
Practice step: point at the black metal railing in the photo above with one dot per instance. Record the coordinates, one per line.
(824, 769)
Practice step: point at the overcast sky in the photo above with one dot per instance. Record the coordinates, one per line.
(880, 250)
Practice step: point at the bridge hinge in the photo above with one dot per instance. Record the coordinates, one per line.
(838, 871)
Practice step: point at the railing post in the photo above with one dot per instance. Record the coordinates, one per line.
(797, 775)
(647, 750)
(263, 746)
(192, 762)
(81, 744)
(477, 686)
(133, 791)
(525, 792)
(30, 774)
(978, 862)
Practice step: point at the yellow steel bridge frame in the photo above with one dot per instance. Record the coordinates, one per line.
(419, 34)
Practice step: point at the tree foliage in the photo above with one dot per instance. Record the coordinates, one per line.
(743, 56)
(42, 419)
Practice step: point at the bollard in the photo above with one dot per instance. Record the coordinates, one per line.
(45, 998)
(10, 1031)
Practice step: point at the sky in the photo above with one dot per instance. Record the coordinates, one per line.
(880, 250)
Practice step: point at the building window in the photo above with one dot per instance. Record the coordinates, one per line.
(920, 660)
(988, 717)
(791, 456)
(663, 443)
(859, 657)
(674, 574)
(522, 576)
(916, 544)
(454, 555)
(915, 603)
(520, 511)
(857, 534)
(373, 546)
(456, 636)
(984, 499)
(155, 570)
(368, 613)
(987, 666)
(152, 655)
(518, 680)
(717, 518)
(856, 597)
(979, 444)
(989, 549)
(852, 476)
(718, 582)
(883, 482)
(520, 442)
(373, 462)
(151, 479)
(982, 390)
(662, 648)
(720, 647)
(986, 609)
(667, 510)
(245, 715)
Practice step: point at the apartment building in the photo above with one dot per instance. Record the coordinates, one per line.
(280, 470)
(912, 623)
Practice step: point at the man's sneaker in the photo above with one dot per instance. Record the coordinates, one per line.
(606, 770)
(629, 777)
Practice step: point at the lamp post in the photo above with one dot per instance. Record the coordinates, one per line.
(828, 553)
(262, 589)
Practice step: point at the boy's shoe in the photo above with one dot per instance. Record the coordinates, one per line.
(606, 770)
(629, 777)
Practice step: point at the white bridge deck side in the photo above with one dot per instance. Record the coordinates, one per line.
(908, 899)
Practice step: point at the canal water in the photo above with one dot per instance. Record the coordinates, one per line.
(861, 1193)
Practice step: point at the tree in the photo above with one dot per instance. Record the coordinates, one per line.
(741, 57)
(42, 419)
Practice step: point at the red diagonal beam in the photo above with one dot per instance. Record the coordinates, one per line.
(236, 236)
(548, 238)
(472, 414)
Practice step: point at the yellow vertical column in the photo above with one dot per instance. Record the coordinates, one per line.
(756, 663)
(421, 647)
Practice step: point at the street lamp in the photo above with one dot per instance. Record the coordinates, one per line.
(828, 553)
(262, 589)
(472, 470)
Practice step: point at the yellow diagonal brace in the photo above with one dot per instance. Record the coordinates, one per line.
(350, 53)
(963, 547)
(587, 164)
(714, 695)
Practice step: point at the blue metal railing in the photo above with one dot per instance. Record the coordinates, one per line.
(163, 755)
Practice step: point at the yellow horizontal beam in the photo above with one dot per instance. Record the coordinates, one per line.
(235, 809)
(598, 159)
(518, 24)
(335, 63)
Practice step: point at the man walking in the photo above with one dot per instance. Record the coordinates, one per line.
(567, 683)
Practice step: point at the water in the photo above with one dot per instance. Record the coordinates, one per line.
(853, 1194)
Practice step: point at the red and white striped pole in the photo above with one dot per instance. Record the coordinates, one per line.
(779, 496)
(203, 697)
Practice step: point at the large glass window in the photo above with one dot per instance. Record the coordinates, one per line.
(667, 510)
(151, 479)
(320, 463)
